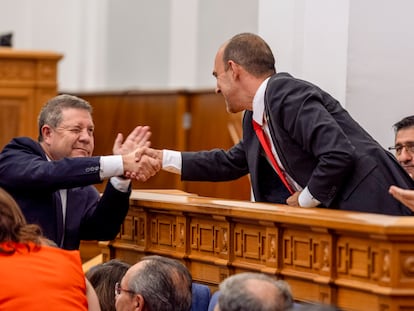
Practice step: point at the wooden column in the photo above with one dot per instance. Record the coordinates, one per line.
(27, 80)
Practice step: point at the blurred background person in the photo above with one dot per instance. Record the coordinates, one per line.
(103, 278)
(34, 275)
(404, 143)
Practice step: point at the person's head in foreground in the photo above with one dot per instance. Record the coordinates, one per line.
(251, 291)
(155, 283)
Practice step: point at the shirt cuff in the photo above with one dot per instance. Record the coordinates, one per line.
(120, 184)
(111, 166)
(306, 199)
(171, 161)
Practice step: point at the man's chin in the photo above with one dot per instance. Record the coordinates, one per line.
(410, 171)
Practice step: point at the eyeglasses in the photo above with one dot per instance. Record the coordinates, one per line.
(119, 289)
(409, 147)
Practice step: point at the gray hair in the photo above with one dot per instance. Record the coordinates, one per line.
(164, 283)
(252, 53)
(51, 112)
(237, 293)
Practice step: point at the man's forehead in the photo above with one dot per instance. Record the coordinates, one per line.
(68, 114)
(405, 135)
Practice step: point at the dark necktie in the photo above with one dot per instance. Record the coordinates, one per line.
(264, 141)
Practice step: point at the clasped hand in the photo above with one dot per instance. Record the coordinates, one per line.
(139, 161)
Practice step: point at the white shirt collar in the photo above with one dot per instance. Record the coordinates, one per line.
(258, 102)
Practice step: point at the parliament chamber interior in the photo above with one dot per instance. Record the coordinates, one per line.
(353, 260)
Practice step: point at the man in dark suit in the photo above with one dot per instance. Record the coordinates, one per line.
(52, 180)
(325, 157)
(404, 144)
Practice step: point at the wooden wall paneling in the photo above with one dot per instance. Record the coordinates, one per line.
(121, 112)
(167, 113)
(209, 129)
(16, 108)
(209, 249)
(354, 260)
(27, 80)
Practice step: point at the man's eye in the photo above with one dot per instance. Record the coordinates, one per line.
(75, 130)
(410, 147)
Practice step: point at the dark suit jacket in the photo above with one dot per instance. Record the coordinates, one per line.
(34, 182)
(320, 146)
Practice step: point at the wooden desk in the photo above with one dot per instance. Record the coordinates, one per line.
(355, 260)
(27, 80)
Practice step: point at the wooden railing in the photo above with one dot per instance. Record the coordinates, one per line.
(354, 260)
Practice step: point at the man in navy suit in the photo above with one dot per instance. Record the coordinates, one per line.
(52, 179)
(326, 157)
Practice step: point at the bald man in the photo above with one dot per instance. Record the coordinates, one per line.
(253, 291)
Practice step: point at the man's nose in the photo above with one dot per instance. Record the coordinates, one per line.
(85, 135)
(405, 155)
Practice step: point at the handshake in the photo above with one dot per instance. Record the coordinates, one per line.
(140, 162)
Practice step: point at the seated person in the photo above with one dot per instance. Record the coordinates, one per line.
(155, 283)
(253, 291)
(103, 278)
(34, 275)
(52, 179)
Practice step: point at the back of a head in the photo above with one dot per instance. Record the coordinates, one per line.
(251, 291)
(103, 278)
(164, 283)
(13, 225)
(252, 53)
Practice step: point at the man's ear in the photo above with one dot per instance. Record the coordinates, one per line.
(139, 303)
(235, 69)
(46, 131)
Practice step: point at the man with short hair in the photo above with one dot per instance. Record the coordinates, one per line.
(404, 143)
(253, 291)
(52, 179)
(155, 283)
(300, 146)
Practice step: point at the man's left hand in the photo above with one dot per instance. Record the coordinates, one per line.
(139, 137)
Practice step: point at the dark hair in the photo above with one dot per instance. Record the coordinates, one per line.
(13, 226)
(404, 123)
(103, 278)
(164, 283)
(252, 53)
(51, 112)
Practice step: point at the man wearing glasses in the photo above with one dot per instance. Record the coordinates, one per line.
(155, 283)
(404, 144)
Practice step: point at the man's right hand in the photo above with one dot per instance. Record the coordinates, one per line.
(143, 163)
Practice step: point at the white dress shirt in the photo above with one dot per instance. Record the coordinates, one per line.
(172, 161)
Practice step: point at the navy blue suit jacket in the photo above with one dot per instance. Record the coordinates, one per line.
(34, 182)
(320, 146)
